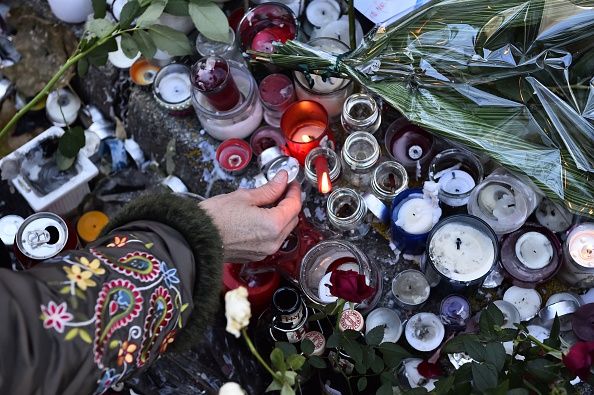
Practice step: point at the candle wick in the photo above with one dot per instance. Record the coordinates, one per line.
(511, 205)
(458, 242)
(453, 175)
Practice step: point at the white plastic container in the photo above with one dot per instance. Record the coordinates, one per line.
(66, 197)
(71, 11)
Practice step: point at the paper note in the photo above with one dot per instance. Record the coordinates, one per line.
(381, 10)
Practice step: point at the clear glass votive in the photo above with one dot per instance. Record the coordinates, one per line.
(172, 88)
(411, 289)
(578, 256)
(388, 180)
(361, 113)
(360, 154)
(347, 213)
(265, 24)
(227, 50)
(311, 171)
(330, 92)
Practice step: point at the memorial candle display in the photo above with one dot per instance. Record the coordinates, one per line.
(424, 332)
(322, 173)
(462, 249)
(277, 93)
(172, 88)
(410, 288)
(330, 92)
(387, 317)
(531, 255)
(526, 300)
(578, 254)
(305, 127)
(212, 77)
(266, 24)
(234, 155)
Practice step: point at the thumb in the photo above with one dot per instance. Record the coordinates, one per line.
(271, 192)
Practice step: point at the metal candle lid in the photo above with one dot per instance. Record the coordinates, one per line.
(9, 226)
(559, 309)
(287, 163)
(42, 236)
(267, 156)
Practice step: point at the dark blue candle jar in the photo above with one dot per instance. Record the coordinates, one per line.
(412, 219)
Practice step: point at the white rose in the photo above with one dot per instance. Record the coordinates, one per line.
(231, 388)
(237, 310)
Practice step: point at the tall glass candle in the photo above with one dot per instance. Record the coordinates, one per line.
(212, 77)
(333, 168)
(360, 154)
(531, 255)
(331, 92)
(305, 127)
(388, 180)
(411, 146)
(266, 24)
(347, 213)
(172, 88)
(410, 288)
(424, 332)
(277, 93)
(578, 253)
(462, 249)
(361, 113)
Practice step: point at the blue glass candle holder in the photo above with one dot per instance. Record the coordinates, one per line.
(406, 242)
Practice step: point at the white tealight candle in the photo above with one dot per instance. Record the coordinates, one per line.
(411, 288)
(322, 12)
(461, 252)
(511, 315)
(416, 215)
(581, 246)
(527, 301)
(387, 317)
(424, 331)
(62, 107)
(175, 87)
(534, 250)
(567, 296)
(339, 30)
(324, 291)
(455, 182)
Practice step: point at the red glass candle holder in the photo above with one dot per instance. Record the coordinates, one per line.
(277, 93)
(305, 127)
(234, 155)
(211, 76)
(265, 24)
(266, 137)
(260, 286)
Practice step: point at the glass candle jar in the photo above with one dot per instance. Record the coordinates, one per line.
(265, 24)
(172, 88)
(241, 120)
(411, 289)
(305, 127)
(143, 73)
(454, 311)
(266, 137)
(330, 92)
(411, 146)
(457, 172)
(234, 155)
(413, 217)
(387, 317)
(553, 216)
(225, 49)
(462, 249)
(347, 213)
(212, 77)
(297, 6)
(361, 113)
(311, 170)
(277, 93)
(578, 256)
(531, 255)
(424, 332)
(388, 180)
(360, 154)
(329, 255)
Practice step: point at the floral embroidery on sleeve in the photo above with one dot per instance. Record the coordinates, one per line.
(82, 278)
(55, 316)
(118, 242)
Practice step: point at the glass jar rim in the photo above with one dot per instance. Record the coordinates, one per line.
(309, 167)
(354, 162)
(222, 84)
(230, 44)
(164, 71)
(358, 98)
(248, 16)
(359, 212)
(398, 168)
(472, 158)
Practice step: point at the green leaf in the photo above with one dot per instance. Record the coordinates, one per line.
(360, 368)
(542, 369)
(493, 315)
(82, 67)
(173, 42)
(501, 389)
(274, 386)
(63, 162)
(375, 336)
(151, 14)
(129, 47)
(393, 354)
(484, 376)
(71, 142)
(388, 378)
(287, 348)
(354, 350)
(495, 354)
(350, 334)
(317, 316)
(177, 7)
(65, 289)
(100, 27)
(307, 347)
(84, 335)
(333, 341)
(377, 365)
(99, 8)
(278, 360)
(474, 349)
(98, 57)
(554, 341)
(130, 11)
(295, 361)
(317, 362)
(145, 43)
(289, 377)
(385, 389)
(507, 334)
(71, 334)
(287, 390)
(362, 384)
(457, 343)
(444, 385)
(210, 20)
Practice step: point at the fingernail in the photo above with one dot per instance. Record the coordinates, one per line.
(279, 176)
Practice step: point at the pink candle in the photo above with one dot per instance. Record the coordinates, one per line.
(277, 93)
(234, 155)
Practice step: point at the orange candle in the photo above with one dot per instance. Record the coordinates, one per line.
(90, 225)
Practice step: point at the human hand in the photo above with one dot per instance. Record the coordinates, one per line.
(250, 232)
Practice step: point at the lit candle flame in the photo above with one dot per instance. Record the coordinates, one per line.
(306, 138)
(322, 174)
(325, 183)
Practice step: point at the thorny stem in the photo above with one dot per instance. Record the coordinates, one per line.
(258, 356)
(542, 345)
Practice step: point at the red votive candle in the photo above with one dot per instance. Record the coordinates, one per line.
(323, 174)
(265, 24)
(260, 286)
(212, 77)
(277, 93)
(305, 126)
(234, 155)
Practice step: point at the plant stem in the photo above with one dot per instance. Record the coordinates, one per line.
(352, 37)
(348, 383)
(542, 345)
(50, 84)
(257, 355)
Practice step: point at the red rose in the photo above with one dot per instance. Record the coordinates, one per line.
(429, 370)
(579, 359)
(350, 286)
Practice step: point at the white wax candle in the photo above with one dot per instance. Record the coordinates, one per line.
(424, 331)
(411, 287)
(527, 301)
(322, 12)
(567, 296)
(387, 317)
(119, 59)
(534, 250)
(461, 252)
(497, 200)
(456, 182)
(553, 216)
(416, 215)
(62, 107)
(581, 246)
(415, 380)
(339, 30)
(175, 87)
(324, 291)
(511, 315)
